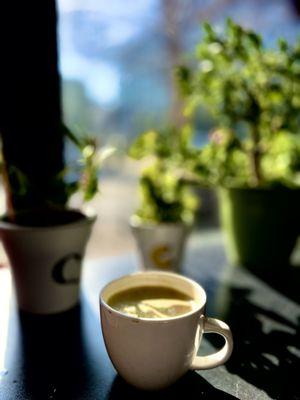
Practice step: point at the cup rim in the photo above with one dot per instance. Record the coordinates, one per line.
(154, 320)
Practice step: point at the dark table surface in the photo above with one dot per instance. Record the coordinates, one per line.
(63, 356)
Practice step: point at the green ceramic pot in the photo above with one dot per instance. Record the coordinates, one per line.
(261, 225)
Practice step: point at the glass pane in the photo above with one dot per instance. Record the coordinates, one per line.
(116, 61)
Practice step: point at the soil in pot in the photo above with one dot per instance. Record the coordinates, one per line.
(44, 217)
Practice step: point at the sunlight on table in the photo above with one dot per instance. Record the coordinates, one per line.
(5, 295)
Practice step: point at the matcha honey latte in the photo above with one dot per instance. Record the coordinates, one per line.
(152, 302)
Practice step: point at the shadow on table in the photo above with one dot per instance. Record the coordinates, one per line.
(191, 385)
(267, 345)
(285, 280)
(53, 356)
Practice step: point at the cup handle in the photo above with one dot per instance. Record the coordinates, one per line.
(213, 325)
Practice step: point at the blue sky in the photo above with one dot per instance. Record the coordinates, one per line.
(121, 22)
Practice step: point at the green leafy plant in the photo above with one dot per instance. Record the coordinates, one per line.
(165, 191)
(253, 94)
(87, 167)
(82, 176)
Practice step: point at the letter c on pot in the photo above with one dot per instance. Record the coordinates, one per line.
(59, 269)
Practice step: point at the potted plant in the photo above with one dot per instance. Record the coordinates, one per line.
(253, 155)
(45, 246)
(167, 205)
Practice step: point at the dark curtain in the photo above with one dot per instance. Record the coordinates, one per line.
(30, 110)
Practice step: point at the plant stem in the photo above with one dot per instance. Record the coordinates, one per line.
(70, 135)
(255, 156)
(174, 38)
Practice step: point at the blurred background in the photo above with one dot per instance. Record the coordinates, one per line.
(115, 60)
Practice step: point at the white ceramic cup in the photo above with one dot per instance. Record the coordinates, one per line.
(153, 353)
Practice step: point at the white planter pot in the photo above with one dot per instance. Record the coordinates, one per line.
(161, 246)
(46, 263)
